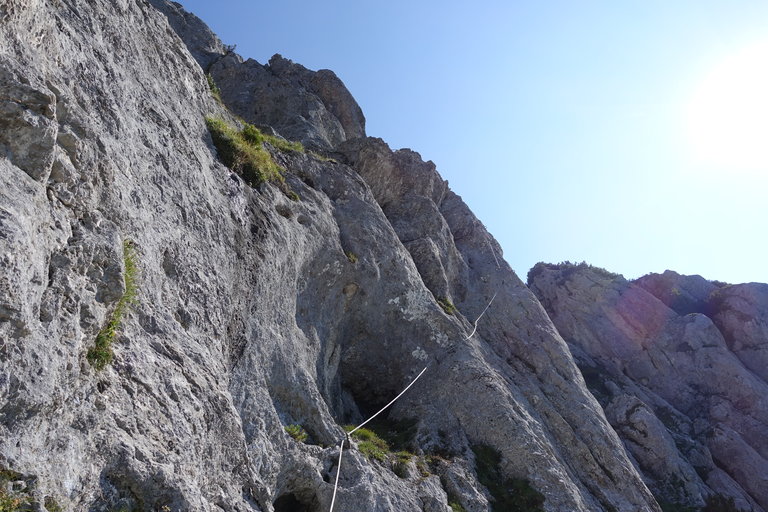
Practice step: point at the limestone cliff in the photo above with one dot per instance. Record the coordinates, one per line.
(305, 302)
(678, 364)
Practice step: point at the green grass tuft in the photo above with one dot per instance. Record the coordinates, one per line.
(255, 136)
(249, 159)
(370, 445)
(215, 91)
(352, 257)
(13, 502)
(100, 355)
(297, 432)
(447, 306)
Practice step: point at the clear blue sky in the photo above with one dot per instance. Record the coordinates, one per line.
(572, 129)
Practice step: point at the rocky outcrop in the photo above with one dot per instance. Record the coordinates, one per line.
(312, 107)
(688, 407)
(202, 43)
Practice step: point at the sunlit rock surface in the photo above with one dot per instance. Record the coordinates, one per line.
(684, 390)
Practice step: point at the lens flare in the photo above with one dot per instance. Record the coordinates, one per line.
(728, 114)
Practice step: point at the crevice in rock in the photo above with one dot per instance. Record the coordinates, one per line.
(303, 501)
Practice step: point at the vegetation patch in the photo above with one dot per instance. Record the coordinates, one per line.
(252, 161)
(322, 158)
(100, 355)
(447, 306)
(370, 445)
(352, 257)
(374, 447)
(297, 432)
(13, 500)
(456, 506)
(215, 91)
(508, 494)
(400, 464)
(256, 137)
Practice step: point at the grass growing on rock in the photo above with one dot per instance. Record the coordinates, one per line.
(509, 494)
(297, 432)
(370, 445)
(447, 306)
(13, 501)
(384, 436)
(100, 355)
(215, 91)
(243, 151)
(252, 161)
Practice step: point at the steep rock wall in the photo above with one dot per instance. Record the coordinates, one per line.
(686, 402)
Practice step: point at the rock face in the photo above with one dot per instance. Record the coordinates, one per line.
(256, 311)
(685, 391)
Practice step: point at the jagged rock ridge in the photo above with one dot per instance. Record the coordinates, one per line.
(252, 312)
(678, 364)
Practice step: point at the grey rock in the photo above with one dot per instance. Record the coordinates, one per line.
(741, 313)
(312, 107)
(655, 370)
(202, 43)
(28, 126)
(683, 294)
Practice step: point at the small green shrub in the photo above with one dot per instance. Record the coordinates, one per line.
(456, 506)
(251, 160)
(297, 432)
(215, 91)
(13, 502)
(447, 306)
(509, 494)
(352, 257)
(100, 355)
(370, 445)
(293, 196)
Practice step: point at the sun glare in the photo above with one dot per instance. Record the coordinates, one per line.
(728, 114)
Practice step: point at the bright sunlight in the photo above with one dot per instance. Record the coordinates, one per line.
(728, 114)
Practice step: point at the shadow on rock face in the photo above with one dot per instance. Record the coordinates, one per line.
(293, 503)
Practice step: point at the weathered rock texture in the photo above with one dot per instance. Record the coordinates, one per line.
(256, 311)
(312, 107)
(685, 390)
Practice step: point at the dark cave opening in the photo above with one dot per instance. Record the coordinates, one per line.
(292, 503)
